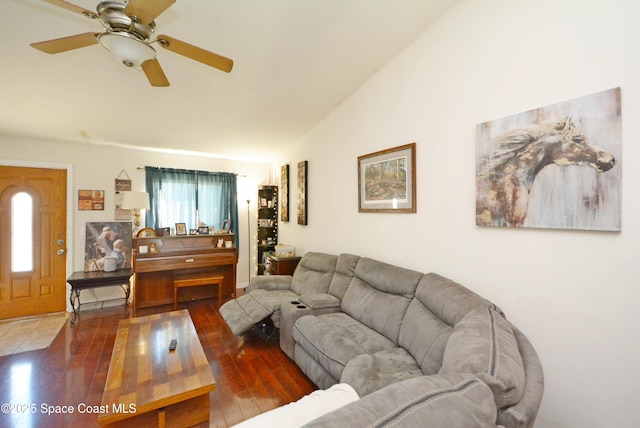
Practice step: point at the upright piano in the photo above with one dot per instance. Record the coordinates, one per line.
(156, 260)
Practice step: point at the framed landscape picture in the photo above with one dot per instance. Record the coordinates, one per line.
(387, 180)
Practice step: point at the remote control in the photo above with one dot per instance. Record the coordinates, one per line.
(172, 345)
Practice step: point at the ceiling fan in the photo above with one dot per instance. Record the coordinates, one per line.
(128, 36)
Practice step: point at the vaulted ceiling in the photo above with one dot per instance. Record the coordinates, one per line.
(294, 62)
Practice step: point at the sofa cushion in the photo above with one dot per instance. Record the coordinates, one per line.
(484, 344)
(459, 400)
(269, 282)
(249, 309)
(367, 373)
(345, 267)
(424, 336)
(438, 305)
(313, 273)
(335, 338)
(449, 300)
(376, 286)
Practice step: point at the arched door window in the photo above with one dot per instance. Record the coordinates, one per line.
(21, 232)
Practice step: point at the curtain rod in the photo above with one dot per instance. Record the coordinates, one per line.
(239, 175)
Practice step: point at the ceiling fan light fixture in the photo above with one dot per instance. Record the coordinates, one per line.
(129, 50)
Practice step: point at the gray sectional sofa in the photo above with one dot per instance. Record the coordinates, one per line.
(419, 349)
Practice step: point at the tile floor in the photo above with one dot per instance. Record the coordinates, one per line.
(29, 333)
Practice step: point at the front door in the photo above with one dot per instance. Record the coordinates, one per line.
(33, 241)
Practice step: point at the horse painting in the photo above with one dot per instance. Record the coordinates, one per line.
(505, 179)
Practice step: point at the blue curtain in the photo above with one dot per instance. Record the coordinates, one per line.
(153, 178)
(218, 199)
(185, 196)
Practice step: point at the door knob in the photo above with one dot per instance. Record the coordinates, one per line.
(60, 252)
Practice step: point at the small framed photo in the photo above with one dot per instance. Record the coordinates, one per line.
(181, 228)
(203, 230)
(163, 231)
(387, 181)
(226, 225)
(193, 231)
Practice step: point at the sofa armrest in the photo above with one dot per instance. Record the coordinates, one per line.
(320, 301)
(291, 311)
(453, 400)
(269, 282)
(523, 414)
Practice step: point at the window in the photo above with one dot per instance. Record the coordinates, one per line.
(191, 197)
(21, 232)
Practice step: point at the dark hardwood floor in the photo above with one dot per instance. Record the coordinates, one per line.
(252, 375)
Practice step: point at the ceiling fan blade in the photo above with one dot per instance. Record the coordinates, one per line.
(198, 54)
(154, 73)
(66, 43)
(147, 10)
(72, 8)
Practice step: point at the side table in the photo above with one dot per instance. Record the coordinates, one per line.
(83, 280)
(274, 265)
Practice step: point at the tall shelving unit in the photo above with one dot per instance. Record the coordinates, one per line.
(267, 223)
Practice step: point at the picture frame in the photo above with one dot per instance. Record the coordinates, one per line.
(193, 232)
(181, 228)
(163, 231)
(387, 180)
(303, 168)
(226, 226)
(90, 200)
(284, 193)
(121, 185)
(107, 239)
(203, 230)
(583, 189)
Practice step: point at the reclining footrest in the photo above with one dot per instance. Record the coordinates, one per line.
(243, 313)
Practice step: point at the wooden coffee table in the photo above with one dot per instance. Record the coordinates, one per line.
(147, 384)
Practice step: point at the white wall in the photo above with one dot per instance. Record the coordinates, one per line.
(573, 293)
(96, 167)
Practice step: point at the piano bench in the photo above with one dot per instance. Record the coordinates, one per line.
(193, 281)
